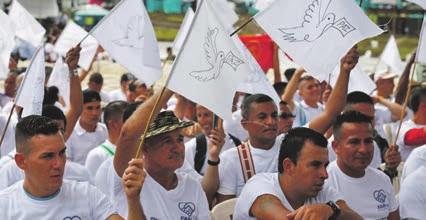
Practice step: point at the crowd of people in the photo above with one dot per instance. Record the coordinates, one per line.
(321, 153)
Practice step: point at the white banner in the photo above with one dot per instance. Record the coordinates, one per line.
(421, 49)
(126, 33)
(70, 37)
(316, 34)
(390, 56)
(27, 27)
(61, 79)
(31, 91)
(7, 43)
(183, 30)
(209, 67)
(41, 8)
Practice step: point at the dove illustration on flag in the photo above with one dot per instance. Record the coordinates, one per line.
(61, 79)
(209, 67)
(316, 34)
(27, 27)
(70, 37)
(126, 33)
(31, 91)
(7, 43)
(390, 56)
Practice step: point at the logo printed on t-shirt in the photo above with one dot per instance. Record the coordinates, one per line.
(72, 218)
(380, 196)
(188, 208)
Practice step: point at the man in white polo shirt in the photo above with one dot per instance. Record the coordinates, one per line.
(297, 191)
(88, 132)
(366, 190)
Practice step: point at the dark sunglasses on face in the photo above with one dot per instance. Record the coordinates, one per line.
(286, 115)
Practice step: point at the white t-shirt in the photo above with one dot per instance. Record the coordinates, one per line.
(405, 150)
(104, 179)
(375, 162)
(75, 200)
(117, 95)
(300, 116)
(412, 195)
(81, 142)
(267, 183)
(10, 173)
(6, 158)
(311, 112)
(230, 171)
(416, 160)
(186, 201)
(371, 196)
(98, 155)
(191, 148)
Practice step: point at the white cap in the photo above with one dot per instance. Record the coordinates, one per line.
(384, 74)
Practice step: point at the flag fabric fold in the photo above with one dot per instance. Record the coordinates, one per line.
(183, 30)
(126, 33)
(209, 67)
(421, 49)
(31, 91)
(7, 43)
(70, 37)
(61, 79)
(390, 56)
(316, 34)
(27, 27)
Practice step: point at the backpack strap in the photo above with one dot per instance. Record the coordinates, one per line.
(246, 161)
(200, 152)
(109, 151)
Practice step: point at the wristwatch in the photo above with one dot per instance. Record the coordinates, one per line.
(335, 208)
(213, 163)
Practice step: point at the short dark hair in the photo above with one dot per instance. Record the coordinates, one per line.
(349, 117)
(90, 96)
(130, 109)
(295, 140)
(51, 95)
(54, 113)
(31, 126)
(358, 97)
(255, 98)
(96, 78)
(114, 110)
(279, 87)
(288, 73)
(416, 97)
(133, 85)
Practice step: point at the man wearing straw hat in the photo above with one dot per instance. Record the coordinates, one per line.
(166, 193)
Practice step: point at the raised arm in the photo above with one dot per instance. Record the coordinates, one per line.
(337, 100)
(133, 128)
(76, 95)
(393, 107)
(291, 88)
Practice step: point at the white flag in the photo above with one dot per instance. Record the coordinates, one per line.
(421, 49)
(421, 3)
(390, 56)
(61, 79)
(7, 43)
(27, 27)
(262, 4)
(31, 91)
(126, 33)
(358, 80)
(256, 80)
(226, 14)
(70, 37)
(41, 8)
(209, 67)
(183, 30)
(316, 33)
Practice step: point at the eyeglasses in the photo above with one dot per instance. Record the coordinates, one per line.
(286, 116)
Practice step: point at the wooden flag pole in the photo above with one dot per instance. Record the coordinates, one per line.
(5, 127)
(401, 117)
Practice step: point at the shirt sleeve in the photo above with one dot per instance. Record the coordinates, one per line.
(101, 207)
(227, 174)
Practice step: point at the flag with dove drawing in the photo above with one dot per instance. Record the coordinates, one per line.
(316, 34)
(126, 33)
(209, 67)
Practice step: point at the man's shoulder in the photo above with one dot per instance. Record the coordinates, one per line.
(377, 175)
(9, 192)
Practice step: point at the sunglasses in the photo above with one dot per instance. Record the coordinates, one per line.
(286, 115)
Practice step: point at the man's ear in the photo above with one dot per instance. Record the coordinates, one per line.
(288, 166)
(335, 146)
(20, 161)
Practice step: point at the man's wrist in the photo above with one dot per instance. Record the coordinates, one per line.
(213, 162)
(335, 210)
